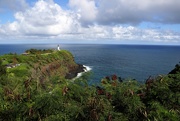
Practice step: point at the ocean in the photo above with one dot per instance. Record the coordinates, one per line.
(127, 61)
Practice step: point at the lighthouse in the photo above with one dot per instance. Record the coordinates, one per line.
(58, 48)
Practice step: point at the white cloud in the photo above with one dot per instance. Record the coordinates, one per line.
(119, 34)
(86, 9)
(47, 20)
(145, 35)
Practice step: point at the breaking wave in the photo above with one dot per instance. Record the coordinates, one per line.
(86, 69)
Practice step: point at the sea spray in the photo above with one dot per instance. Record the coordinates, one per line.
(86, 69)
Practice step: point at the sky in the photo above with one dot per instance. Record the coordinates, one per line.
(154, 22)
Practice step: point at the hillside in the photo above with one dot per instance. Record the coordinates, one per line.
(36, 89)
(42, 64)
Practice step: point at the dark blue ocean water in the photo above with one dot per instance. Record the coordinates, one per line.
(128, 61)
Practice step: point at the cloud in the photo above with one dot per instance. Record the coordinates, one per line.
(86, 10)
(12, 5)
(120, 33)
(93, 20)
(127, 11)
(43, 19)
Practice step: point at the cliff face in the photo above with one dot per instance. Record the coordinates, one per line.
(43, 65)
(59, 63)
(74, 71)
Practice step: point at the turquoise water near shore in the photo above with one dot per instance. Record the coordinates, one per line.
(128, 61)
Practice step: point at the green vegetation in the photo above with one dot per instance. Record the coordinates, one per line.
(37, 90)
(35, 51)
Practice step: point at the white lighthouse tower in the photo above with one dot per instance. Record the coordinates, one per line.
(58, 48)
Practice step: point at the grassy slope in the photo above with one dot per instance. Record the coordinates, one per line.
(56, 63)
(41, 93)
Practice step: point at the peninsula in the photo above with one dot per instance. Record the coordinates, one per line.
(42, 64)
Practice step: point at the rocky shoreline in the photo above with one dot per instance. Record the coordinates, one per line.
(73, 73)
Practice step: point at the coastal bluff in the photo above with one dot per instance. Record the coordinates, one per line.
(42, 64)
(34, 87)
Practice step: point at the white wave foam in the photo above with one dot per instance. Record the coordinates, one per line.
(78, 75)
(86, 69)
